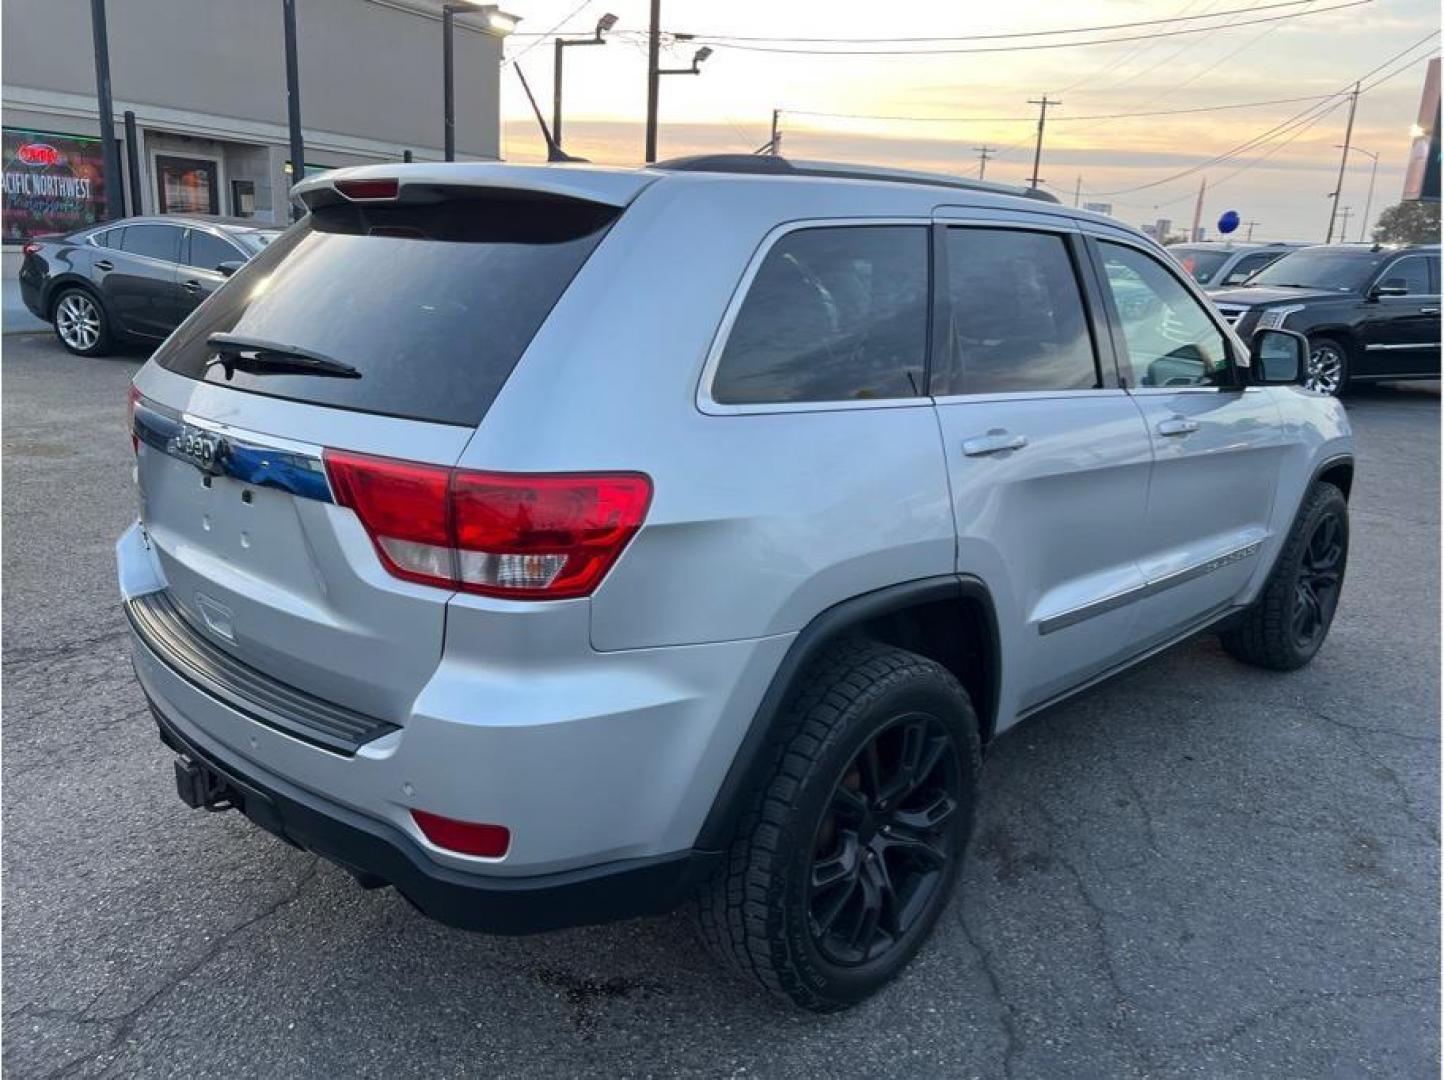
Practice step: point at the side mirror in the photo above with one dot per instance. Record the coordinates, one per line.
(1391, 287)
(1278, 358)
(226, 269)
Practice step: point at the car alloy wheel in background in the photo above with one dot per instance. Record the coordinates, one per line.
(78, 322)
(1325, 372)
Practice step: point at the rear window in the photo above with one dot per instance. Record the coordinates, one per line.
(432, 303)
(1201, 263)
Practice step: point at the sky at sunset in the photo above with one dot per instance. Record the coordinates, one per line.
(981, 98)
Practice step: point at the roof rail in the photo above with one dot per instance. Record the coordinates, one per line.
(770, 165)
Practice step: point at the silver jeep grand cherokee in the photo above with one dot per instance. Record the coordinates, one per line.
(558, 545)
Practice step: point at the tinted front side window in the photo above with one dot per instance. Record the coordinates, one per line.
(833, 314)
(433, 303)
(1017, 315)
(1170, 339)
(1411, 273)
(208, 252)
(155, 241)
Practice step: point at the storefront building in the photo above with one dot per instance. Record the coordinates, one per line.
(206, 80)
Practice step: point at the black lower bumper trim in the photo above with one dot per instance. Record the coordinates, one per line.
(378, 853)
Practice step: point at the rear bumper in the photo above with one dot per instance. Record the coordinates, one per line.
(30, 295)
(377, 853)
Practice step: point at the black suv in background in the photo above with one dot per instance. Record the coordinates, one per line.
(131, 280)
(1370, 313)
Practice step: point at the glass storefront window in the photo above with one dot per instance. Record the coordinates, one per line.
(188, 185)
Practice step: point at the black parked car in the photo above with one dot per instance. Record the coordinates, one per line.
(1370, 313)
(131, 280)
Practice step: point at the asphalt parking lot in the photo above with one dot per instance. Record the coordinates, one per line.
(1196, 870)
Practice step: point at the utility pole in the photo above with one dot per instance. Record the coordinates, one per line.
(1042, 104)
(1343, 161)
(1249, 237)
(654, 44)
(1078, 191)
(293, 100)
(774, 146)
(114, 192)
(984, 153)
(1197, 210)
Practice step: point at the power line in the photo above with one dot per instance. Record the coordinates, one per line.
(785, 49)
(1277, 128)
(1059, 119)
(568, 17)
(780, 38)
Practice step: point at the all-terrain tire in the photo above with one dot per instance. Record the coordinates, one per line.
(753, 913)
(1267, 634)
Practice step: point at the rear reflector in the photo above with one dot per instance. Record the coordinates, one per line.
(538, 536)
(465, 837)
(368, 189)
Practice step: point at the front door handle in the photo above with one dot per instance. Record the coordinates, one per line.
(1429, 311)
(994, 442)
(105, 264)
(1177, 425)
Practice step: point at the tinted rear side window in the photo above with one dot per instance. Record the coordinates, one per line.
(155, 241)
(833, 314)
(208, 252)
(433, 303)
(1018, 321)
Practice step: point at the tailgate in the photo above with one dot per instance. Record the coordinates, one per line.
(258, 557)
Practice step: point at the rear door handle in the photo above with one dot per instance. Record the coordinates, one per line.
(105, 264)
(192, 286)
(994, 442)
(1429, 311)
(1177, 425)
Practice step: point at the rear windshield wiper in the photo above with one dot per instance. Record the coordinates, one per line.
(235, 353)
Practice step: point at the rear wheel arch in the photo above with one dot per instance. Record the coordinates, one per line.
(949, 619)
(60, 285)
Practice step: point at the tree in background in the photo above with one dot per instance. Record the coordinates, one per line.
(1408, 223)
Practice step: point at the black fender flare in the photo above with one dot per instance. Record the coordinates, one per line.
(749, 765)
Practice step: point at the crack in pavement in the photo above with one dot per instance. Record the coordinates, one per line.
(1012, 1042)
(125, 1023)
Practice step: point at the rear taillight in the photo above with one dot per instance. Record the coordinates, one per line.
(542, 536)
(29, 249)
(130, 417)
(466, 837)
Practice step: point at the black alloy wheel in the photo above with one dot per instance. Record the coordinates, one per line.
(1316, 588)
(884, 843)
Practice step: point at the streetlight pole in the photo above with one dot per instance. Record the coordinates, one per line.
(605, 23)
(106, 108)
(496, 20)
(293, 102)
(654, 45)
(1369, 201)
(655, 72)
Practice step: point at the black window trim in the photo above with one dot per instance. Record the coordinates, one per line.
(185, 251)
(1105, 359)
(1238, 371)
(708, 405)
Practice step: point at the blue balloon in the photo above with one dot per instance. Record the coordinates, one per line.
(1228, 222)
